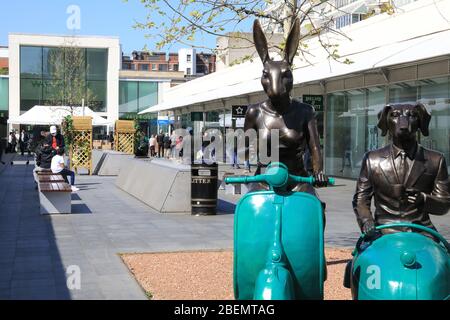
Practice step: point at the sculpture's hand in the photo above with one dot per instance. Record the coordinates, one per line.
(369, 229)
(415, 197)
(321, 180)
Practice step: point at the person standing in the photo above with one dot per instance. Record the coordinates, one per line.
(166, 142)
(23, 142)
(111, 139)
(1, 151)
(152, 145)
(58, 167)
(55, 139)
(179, 147)
(173, 143)
(44, 155)
(160, 140)
(12, 142)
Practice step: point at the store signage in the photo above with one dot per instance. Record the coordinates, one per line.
(238, 111)
(315, 100)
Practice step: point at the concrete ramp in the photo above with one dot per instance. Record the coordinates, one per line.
(108, 162)
(161, 184)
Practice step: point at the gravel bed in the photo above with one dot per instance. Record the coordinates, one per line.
(208, 275)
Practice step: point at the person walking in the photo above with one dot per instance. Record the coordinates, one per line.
(152, 145)
(58, 167)
(160, 140)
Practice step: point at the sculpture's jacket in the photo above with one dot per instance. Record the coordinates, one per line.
(379, 178)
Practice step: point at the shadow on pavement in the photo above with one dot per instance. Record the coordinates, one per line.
(31, 266)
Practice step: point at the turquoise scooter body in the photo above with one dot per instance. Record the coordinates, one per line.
(401, 266)
(278, 240)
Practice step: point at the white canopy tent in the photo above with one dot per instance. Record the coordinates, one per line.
(54, 115)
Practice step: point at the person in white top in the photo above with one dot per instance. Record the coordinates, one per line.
(59, 168)
(152, 145)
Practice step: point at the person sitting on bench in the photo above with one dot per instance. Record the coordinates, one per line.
(59, 168)
(44, 155)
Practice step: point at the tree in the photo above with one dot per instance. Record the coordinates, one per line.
(182, 21)
(67, 69)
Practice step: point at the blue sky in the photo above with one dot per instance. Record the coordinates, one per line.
(98, 17)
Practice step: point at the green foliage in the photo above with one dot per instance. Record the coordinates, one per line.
(187, 21)
(4, 71)
(68, 63)
(149, 295)
(68, 130)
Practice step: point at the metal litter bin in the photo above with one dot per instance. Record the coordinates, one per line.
(204, 186)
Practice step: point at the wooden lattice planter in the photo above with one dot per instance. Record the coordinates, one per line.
(81, 148)
(124, 136)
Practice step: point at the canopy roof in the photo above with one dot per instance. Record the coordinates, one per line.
(421, 32)
(53, 115)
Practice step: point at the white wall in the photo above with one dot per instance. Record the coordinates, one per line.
(183, 64)
(4, 53)
(114, 63)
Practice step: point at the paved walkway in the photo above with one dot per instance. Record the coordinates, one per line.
(37, 250)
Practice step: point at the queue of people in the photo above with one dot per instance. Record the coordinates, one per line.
(166, 146)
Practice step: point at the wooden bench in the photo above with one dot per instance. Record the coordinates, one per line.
(47, 178)
(55, 197)
(41, 172)
(44, 172)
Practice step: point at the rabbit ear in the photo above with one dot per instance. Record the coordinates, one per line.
(292, 42)
(260, 41)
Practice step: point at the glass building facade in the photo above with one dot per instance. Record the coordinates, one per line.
(4, 103)
(351, 121)
(136, 96)
(46, 72)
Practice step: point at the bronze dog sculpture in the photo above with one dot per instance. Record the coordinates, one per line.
(295, 120)
(408, 182)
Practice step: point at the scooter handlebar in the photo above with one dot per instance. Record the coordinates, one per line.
(261, 178)
(244, 179)
(310, 180)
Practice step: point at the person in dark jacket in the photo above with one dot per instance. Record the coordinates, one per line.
(44, 156)
(1, 151)
(167, 142)
(23, 142)
(160, 140)
(55, 139)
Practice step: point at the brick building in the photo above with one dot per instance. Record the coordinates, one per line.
(205, 63)
(4, 60)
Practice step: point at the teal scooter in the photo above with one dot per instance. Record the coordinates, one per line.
(278, 239)
(401, 266)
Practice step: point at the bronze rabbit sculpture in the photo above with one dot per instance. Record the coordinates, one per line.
(295, 121)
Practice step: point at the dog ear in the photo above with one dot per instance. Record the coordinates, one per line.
(424, 118)
(292, 42)
(260, 41)
(382, 119)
